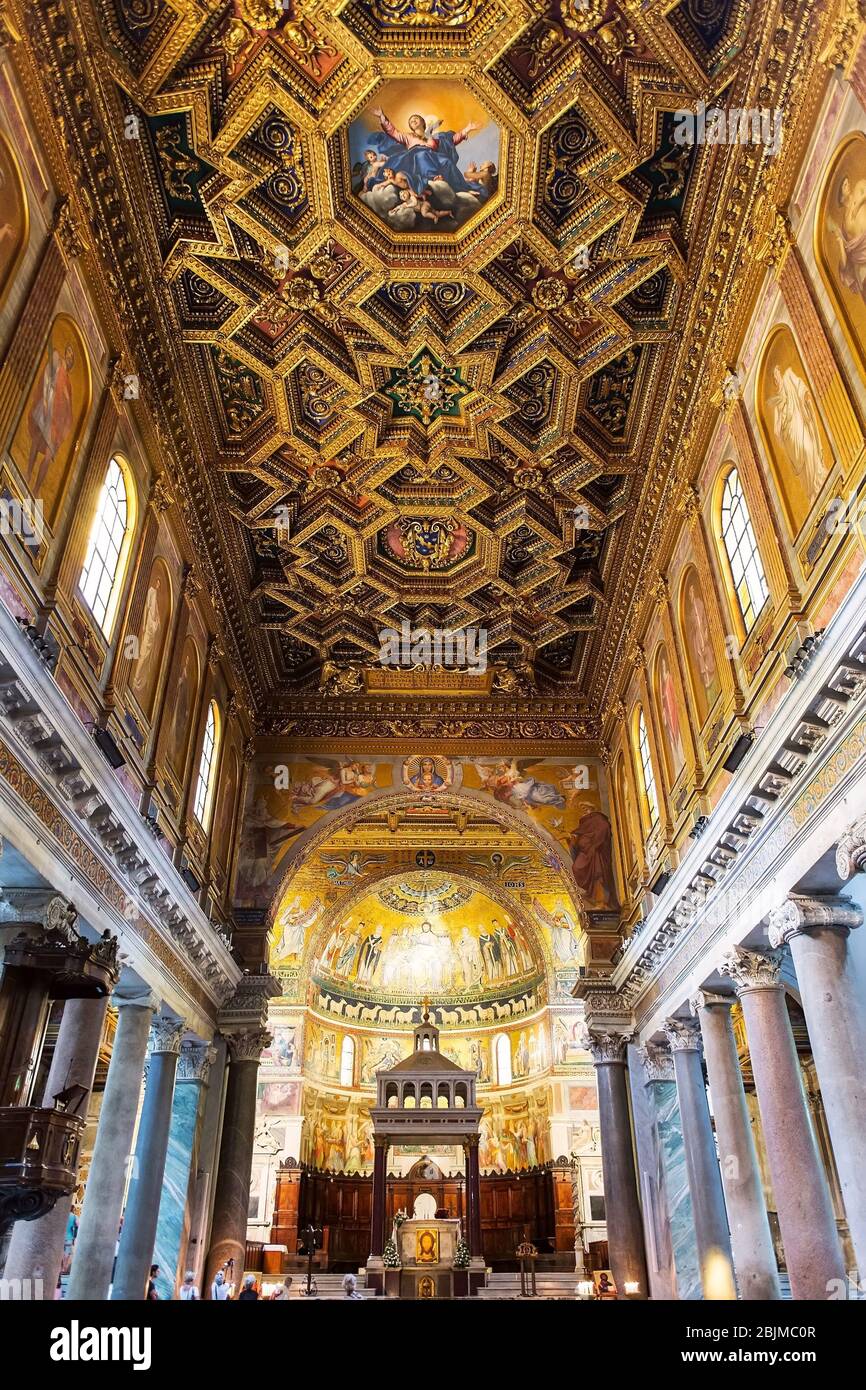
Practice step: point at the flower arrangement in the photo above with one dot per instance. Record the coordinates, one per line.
(461, 1254)
(390, 1257)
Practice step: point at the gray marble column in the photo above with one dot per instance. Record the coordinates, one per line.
(702, 1164)
(655, 1117)
(232, 1196)
(816, 929)
(751, 1241)
(138, 1238)
(813, 1253)
(623, 1217)
(172, 1231)
(103, 1197)
(36, 1247)
(208, 1152)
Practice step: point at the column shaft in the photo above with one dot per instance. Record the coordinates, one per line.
(36, 1248)
(624, 1226)
(228, 1239)
(812, 1250)
(137, 1240)
(172, 1230)
(836, 1021)
(751, 1242)
(702, 1166)
(473, 1192)
(380, 1179)
(103, 1196)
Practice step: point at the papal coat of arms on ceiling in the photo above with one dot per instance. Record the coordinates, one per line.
(423, 544)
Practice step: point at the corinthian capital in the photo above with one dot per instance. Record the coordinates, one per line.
(248, 1046)
(195, 1062)
(801, 914)
(751, 969)
(657, 1062)
(851, 850)
(166, 1035)
(705, 999)
(683, 1034)
(607, 1046)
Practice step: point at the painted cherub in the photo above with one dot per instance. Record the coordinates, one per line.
(422, 206)
(375, 165)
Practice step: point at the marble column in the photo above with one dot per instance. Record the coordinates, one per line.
(103, 1197)
(380, 1182)
(702, 1164)
(208, 1153)
(36, 1247)
(473, 1193)
(816, 929)
(190, 1088)
(232, 1197)
(138, 1237)
(624, 1226)
(751, 1241)
(672, 1253)
(813, 1253)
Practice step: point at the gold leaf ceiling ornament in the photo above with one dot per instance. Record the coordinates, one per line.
(566, 320)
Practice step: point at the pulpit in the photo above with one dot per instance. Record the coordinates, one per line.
(425, 1099)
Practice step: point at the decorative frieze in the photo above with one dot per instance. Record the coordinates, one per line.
(247, 1010)
(750, 970)
(801, 914)
(62, 756)
(835, 681)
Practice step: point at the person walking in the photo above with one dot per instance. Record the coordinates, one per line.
(282, 1292)
(350, 1287)
(188, 1291)
(152, 1296)
(219, 1289)
(249, 1292)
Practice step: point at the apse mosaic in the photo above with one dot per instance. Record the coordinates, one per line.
(426, 936)
(425, 156)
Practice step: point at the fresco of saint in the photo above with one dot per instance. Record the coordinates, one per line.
(591, 849)
(53, 415)
(671, 712)
(151, 639)
(797, 429)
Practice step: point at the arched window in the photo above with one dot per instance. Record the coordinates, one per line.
(746, 571)
(203, 804)
(347, 1061)
(503, 1060)
(105, 562)
(646, 768)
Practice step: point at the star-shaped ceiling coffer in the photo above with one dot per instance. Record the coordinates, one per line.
(426, 390)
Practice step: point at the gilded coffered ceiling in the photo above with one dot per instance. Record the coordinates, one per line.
(428, 289)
